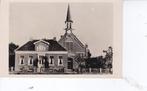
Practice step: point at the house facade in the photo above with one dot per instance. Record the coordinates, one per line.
(39, 55)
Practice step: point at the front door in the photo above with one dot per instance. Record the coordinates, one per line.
(43, 61)
(70, 63)
(40, 62)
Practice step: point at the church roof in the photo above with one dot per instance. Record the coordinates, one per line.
(72, 36)
(30, 46)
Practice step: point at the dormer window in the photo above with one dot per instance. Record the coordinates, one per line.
(41, 45)
(41, 48)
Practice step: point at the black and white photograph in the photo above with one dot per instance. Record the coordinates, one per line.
(76, 45)
(61, 38)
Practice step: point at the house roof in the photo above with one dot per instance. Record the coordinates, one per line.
(30, 46)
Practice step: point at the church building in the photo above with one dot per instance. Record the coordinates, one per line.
(72, 44)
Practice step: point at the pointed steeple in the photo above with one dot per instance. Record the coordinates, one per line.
(68, 17)
(68, 20)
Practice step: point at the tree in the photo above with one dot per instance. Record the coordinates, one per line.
(81, 62)
(89, 54)
(12, 48)
(108, 58)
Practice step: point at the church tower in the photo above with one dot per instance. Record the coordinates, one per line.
(69, 41)
(68, 21)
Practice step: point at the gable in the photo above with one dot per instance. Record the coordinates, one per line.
(68, 38)
(41, 46)
(76, 43)
(41, 41)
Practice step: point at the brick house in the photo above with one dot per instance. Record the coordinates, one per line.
(40, 54)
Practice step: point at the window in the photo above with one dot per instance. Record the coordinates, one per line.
(70, 63)
(69, 46)
(51, 60)
(30, 61)
(21, 60)
(60, 61)
(41, 48)
(81, 55)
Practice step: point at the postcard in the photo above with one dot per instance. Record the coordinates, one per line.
(63, 39)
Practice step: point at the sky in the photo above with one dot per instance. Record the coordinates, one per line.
(92, 23)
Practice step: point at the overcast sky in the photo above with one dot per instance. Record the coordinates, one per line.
(92, 23)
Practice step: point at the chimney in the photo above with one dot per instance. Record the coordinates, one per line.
(43, 38)
(54, 38)
(86, 46)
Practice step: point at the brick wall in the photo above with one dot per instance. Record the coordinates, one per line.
(35, 56)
